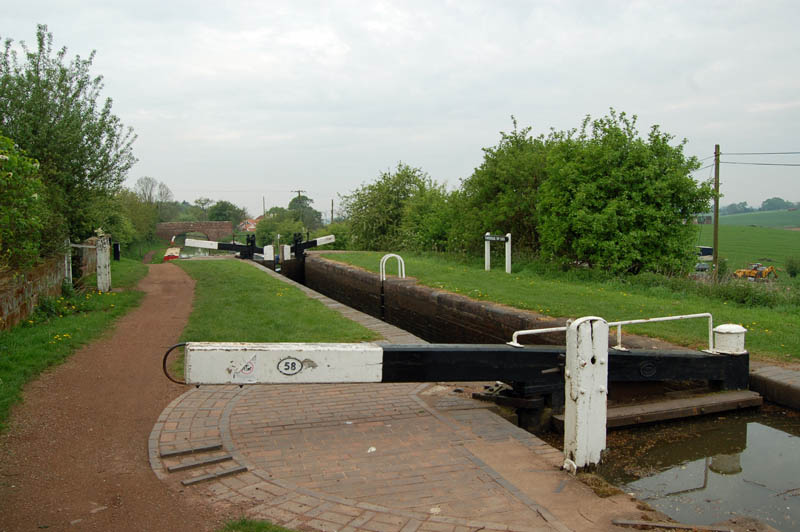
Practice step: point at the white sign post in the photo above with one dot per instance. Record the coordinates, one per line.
(585, 390)
(487, 240)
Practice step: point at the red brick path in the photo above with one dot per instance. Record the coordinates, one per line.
(368, 457)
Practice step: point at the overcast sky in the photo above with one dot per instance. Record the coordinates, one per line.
(241, 100)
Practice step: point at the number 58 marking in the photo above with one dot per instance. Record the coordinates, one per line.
(290, 366)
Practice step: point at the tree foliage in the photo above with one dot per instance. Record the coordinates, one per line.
(776, 204)
(501, 195)
(52, 109)
(617, 201)
(223, 211)
(736, 208)
(302, 211)
(278, 221)
(24, 215)
(600, 196)
(375, 211)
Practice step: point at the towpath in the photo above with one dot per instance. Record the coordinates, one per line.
(74, 456)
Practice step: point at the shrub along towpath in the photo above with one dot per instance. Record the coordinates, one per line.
(74, 454)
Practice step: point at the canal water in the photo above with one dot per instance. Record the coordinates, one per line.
(713, 468)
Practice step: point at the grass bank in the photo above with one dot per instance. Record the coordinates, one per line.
(235, 302)
(772, 330)
(61, 325)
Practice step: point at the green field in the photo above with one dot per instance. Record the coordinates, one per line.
(772, 330)
(742, 245)
(776, 219)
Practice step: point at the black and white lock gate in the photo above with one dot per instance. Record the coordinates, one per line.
(254, 363)
(248, 250)
(582, 370)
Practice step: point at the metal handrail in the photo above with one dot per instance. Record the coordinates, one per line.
(514, 342)
(401, 265)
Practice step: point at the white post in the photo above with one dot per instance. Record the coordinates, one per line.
(508, 252)
(103, 264)
(729, 339)
(287, 252)
(487, 261)
(585, 390)
(269, 253)
(68, 263)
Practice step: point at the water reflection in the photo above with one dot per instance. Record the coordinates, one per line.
(710, 470)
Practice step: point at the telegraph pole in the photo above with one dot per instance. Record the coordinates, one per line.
(716, 213)
(331, 210)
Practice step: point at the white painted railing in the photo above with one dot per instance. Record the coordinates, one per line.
(618, 324)
(401, 265)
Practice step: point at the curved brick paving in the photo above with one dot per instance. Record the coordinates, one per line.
(311, 463)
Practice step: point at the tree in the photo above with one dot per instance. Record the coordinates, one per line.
(226, 211)
(52, 110)
(619, 202)
(146, 188)
(501, 194)
(776, 204)
(375, 211)
(736, 208)
(427, 220)
(301, 209)
(281, 222)
(202, 204)
(141, 214)
(167, 208)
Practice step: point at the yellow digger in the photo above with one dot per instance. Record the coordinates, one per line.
(756, 272)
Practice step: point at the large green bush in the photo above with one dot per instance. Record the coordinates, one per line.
(619, 202)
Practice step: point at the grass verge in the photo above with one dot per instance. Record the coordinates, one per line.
(59, 326)
(771, 329)
(234, 302)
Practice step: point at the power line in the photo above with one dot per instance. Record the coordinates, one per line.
(705, 158)
(703, 168)
(760, 164)
(763, 153)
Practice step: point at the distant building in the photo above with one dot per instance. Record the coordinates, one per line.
(249, 225)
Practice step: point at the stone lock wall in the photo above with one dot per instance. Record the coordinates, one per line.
(434, 315)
